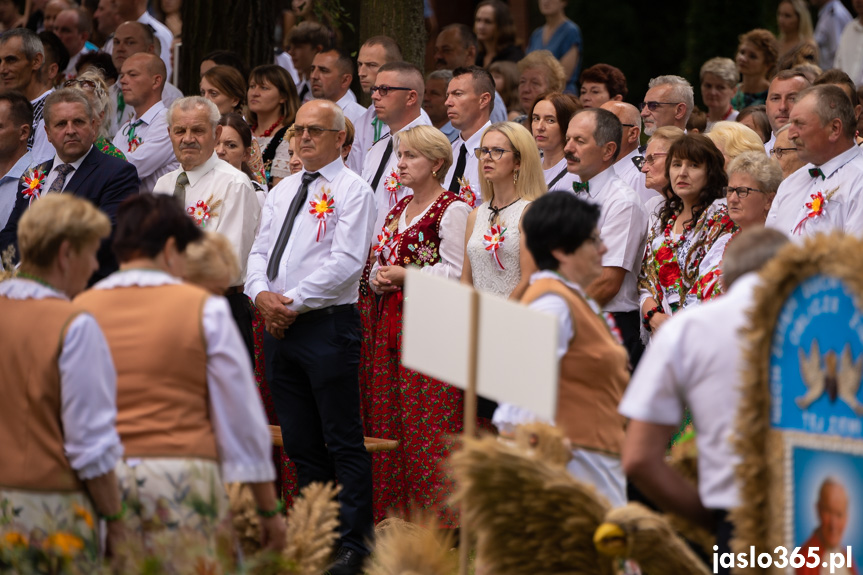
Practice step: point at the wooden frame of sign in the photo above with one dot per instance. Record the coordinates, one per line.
(797, 426)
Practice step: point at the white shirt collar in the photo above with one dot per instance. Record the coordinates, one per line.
(830, 167)
(331, 170)
(199, 172)
(75, 165)
(138, 277)
(474, 141)
(348, 98)
(23, 288)
(600, 180)
(150, 114)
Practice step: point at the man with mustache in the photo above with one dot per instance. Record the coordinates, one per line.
(219, 197)
(823, 195)
(592, 146)
(77, 167)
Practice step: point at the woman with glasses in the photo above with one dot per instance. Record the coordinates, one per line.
(550, 117)
(495, 33)
(93, 86)
(510, 177)
(424, 230)
(718, 82)
(686, 235)
(653, 166)
(273, 104)
(756, 58)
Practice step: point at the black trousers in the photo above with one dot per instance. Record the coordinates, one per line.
(241, 309)
(314, 377)
(629, 324)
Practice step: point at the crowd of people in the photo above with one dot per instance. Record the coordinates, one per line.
(202, 266)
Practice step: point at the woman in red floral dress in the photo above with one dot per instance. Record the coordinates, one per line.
(686, 239)
(425, 230)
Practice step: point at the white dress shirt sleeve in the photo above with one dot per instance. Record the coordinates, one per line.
(236, 411)
(623, 232)
(88, 392)
(238, 220)
(256, 268)
(452, 233)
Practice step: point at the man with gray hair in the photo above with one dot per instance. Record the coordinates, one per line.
(77, 167)
(626, 167)
(668, 102)
(219, 197)
(592, 146)
(22, 56)
(434, 102)
(824, 194)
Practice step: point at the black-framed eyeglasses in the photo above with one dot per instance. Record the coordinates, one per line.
(89, 84)
(652, 106)
(629, 125)
(741, 191)
(384, 90)
(779, 152)
(314, 131)
(493, 153)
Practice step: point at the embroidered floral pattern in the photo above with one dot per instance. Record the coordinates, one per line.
(466, 193)
(33, 180)
(493, 240)
(816, 207)
(425, 252)
(386, 248)
(322, 207)
(203, 211)
(393, 183)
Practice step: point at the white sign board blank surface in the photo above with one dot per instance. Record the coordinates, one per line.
(436, 327)
(517, 360)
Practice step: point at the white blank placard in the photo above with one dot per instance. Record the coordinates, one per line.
(517, 360)
(436, 327)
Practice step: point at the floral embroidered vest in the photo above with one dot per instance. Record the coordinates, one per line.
(419, 244)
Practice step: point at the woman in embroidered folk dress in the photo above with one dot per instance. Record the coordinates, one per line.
(510, 177)
(192, 420)
(59, 451)
(425, 230)
(549, 118)
(686, 238)
(273, 104)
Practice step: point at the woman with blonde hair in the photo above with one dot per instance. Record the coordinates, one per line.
(510, 177)
(424, 230)
(733, 139)
(795, 29)
(756, 59)
(94, 87)
(211, 263)
(718, 82)
(539, 72)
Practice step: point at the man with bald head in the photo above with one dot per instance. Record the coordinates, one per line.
(823, 129)
(397, 98)
(626, 167)
(136, 11)
(133, 38)
(73, 26)
(832, 510)
(304, 278)
(144, 138)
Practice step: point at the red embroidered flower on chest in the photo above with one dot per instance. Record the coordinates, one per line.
(387, 240)
(816, 207)
(203, 211)
(322, 208)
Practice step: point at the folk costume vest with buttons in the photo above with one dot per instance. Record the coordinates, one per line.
(593, 375)
(157, 341)
(31, 430)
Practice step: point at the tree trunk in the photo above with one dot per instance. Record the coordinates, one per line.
(399, 19)
(245, 27)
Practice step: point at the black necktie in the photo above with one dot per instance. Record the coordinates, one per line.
(285, 233)
(454, 186)
(387, 153)
(303, 92)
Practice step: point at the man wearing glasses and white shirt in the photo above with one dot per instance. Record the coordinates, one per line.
(303, 275)
(668, 102)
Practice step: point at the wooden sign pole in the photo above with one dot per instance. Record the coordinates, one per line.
(469, 417)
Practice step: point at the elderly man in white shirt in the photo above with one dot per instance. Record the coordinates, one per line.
(625, 166)
(397, 99)
(825, 194)
(144, 138)
(469, 102)
(592, 144)
(304, 273)
(684, 369)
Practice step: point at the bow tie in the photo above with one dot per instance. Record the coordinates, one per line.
(581, 187)
(815, 172)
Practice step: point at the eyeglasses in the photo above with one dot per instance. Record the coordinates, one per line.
(493, 153)
(650, 159)
(89, 84)
(314, 131)
(384, 90)
(595, 239)
(741, 192)
(652, 106)
(629, 125)
(778, 152)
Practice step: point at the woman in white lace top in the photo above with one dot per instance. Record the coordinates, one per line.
(510, 178)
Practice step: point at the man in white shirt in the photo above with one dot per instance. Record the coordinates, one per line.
(303, 276)
(22, 55)
(332, 74)
(668, 102)
(825, 194)
(625, 166)
(832, 19)
(781, 96)
(849, 56)
(305, 40)
(144, 138)
(592, 144)
(73, 27)
(136, 11)
(469, 103)
(685, 368)
(133, 38)
(397, 98)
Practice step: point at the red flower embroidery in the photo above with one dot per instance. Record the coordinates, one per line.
(664, 254)
(669, 273)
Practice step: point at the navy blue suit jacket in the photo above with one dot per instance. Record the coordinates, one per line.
(104, 180)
